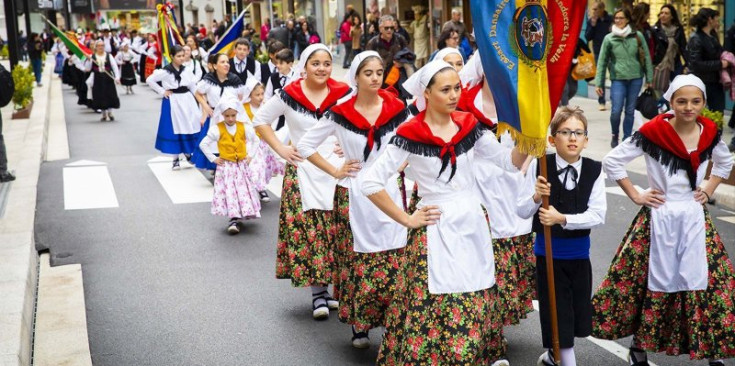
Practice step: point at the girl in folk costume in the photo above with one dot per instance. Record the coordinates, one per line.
(450, 56)
(235, 194)
(153, 56)
(101, 82)
(363, 122)
(126, 59)
(267, 165)
(445, 309)
(306, 234)
(197, 53)
(210, 89)
(671, 284)
(178, 126)
(193, 65)
(513, 239)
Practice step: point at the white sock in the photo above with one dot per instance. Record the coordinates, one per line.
(567, 357)
(318, 292)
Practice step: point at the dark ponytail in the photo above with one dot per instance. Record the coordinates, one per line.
(702, 17)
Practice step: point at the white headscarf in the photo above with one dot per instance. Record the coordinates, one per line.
(446, 51)
(305, 54)
(417, 83)
(229, 101)
(249, 87)
(352, 73)
(684, 80)
(472, 72)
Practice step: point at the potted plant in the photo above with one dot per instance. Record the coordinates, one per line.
(23, 95)
(4, 52)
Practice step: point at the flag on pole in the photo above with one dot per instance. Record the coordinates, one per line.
(226, 43)
(71, 43)
(168, 33)
(527, 48)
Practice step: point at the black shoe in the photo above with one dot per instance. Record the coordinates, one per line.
(717, 363)
(6, 177)
(188, 158)
(633, 361)
(175, 165)
(614, 141)
(232, 228)
(542, 359)
(360, 340)
(264, 196)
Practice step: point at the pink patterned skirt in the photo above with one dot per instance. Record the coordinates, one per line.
(265, 166)
(235, 194)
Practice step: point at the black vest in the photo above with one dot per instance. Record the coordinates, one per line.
(249, 66)
(265, 73)
(569, 202)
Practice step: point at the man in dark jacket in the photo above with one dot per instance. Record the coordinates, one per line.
(387, 43)
(280, 33)
(598, 26)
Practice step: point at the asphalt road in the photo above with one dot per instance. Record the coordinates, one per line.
(165, 285)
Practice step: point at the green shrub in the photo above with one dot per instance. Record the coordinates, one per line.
(24, 82)
(716, 117)
(4, 54)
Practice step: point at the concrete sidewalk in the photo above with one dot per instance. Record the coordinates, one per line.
(28, 144)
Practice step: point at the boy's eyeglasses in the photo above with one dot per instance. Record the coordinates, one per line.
(568, 133)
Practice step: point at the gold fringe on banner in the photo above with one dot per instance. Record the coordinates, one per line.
(525, 144)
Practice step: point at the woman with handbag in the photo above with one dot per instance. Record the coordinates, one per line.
(668, 55)
(625, 54)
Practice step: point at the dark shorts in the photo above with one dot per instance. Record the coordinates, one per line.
(573, 283)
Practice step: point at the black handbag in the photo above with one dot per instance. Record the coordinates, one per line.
(647, 104)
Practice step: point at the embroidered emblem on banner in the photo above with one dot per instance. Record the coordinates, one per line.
(532, 33)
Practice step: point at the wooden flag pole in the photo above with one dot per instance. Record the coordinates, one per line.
(550, 271)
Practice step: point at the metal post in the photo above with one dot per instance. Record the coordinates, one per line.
(11, 24)
(27, 17)
(183, 29)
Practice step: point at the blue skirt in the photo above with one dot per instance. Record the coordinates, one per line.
(198, 158)
(167, 141)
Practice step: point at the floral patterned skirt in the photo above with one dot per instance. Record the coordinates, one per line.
(235, 195)
(366, 280)
(306, 240)
(266, 166)
(438, 329)
(515, 277)
(698, 323)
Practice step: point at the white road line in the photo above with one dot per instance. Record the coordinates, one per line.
(275, 186)
(619, 191)
(610, 346)
(88, 187)
(730, 219)
(186, 185)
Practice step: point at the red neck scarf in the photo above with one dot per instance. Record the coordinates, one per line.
(337, 90)
(467, 104)
(660, 132)
(420, 139)
(392, 114)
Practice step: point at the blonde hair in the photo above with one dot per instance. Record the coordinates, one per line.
(566, 113)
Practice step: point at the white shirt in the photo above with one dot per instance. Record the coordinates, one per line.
(596, 206)
(317, 187)
(498, 189)
(372, 230)
(269, 86)
(460, 254)
(210, 141)
(113, 65)
(678, 257)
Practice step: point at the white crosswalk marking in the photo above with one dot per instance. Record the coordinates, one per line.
(186, 185)
(87, 185)
(619, 191)
(275, 186)
(730, 219)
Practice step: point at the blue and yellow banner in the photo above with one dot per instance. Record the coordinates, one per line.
(527, 48)
(226, 43)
